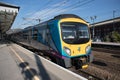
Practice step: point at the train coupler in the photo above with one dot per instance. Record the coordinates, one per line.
(80, 63)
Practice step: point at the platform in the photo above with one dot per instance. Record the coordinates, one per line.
(18, 63)
(114, 46)
(106, 43)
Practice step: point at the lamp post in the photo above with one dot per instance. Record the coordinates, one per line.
(0, 31)
(93, 30)
(113, 20)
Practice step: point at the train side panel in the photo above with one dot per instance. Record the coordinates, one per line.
(55, 35)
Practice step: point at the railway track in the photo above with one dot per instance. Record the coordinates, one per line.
(107, 50)
(87, 75)
(113, 48)
(107, 59)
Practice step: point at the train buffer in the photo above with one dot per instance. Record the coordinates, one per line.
(18, 63)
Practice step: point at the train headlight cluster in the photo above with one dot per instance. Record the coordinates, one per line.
(67, 50)
(87, 49)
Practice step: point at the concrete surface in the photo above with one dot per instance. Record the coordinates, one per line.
(18, 63)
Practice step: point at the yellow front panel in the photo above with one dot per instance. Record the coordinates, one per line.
(72, 20)
(76, 49)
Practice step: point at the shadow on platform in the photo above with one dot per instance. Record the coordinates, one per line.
(4, 41)
(42, 71)
(28, 73)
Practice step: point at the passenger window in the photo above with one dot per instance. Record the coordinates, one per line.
(35, 34)
(25, 34)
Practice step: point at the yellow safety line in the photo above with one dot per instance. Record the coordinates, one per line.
(27, 67)
(22, 51)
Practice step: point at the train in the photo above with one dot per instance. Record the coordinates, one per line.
(65, 38)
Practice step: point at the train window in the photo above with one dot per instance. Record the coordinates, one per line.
(74, 32)
(35, 34)
(25, 34)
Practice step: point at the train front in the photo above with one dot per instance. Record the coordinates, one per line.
(76, 41)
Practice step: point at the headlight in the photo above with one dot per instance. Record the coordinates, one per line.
(87, 49)
(67, 50)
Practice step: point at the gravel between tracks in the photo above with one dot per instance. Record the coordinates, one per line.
(105, 65)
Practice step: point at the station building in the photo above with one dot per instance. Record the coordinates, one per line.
(101, 29)
(8, 14)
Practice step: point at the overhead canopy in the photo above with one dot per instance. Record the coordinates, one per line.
(7, 16)
(115, 20)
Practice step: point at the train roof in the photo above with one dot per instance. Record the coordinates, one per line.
(29, 27)
(61, 16)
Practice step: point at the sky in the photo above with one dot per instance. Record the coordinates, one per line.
(32, 10)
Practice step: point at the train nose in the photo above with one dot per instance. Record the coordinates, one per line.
(78, 49)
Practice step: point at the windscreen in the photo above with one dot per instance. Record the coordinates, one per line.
(74, 32)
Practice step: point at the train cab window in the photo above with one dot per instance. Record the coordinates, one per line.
(74, 32)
